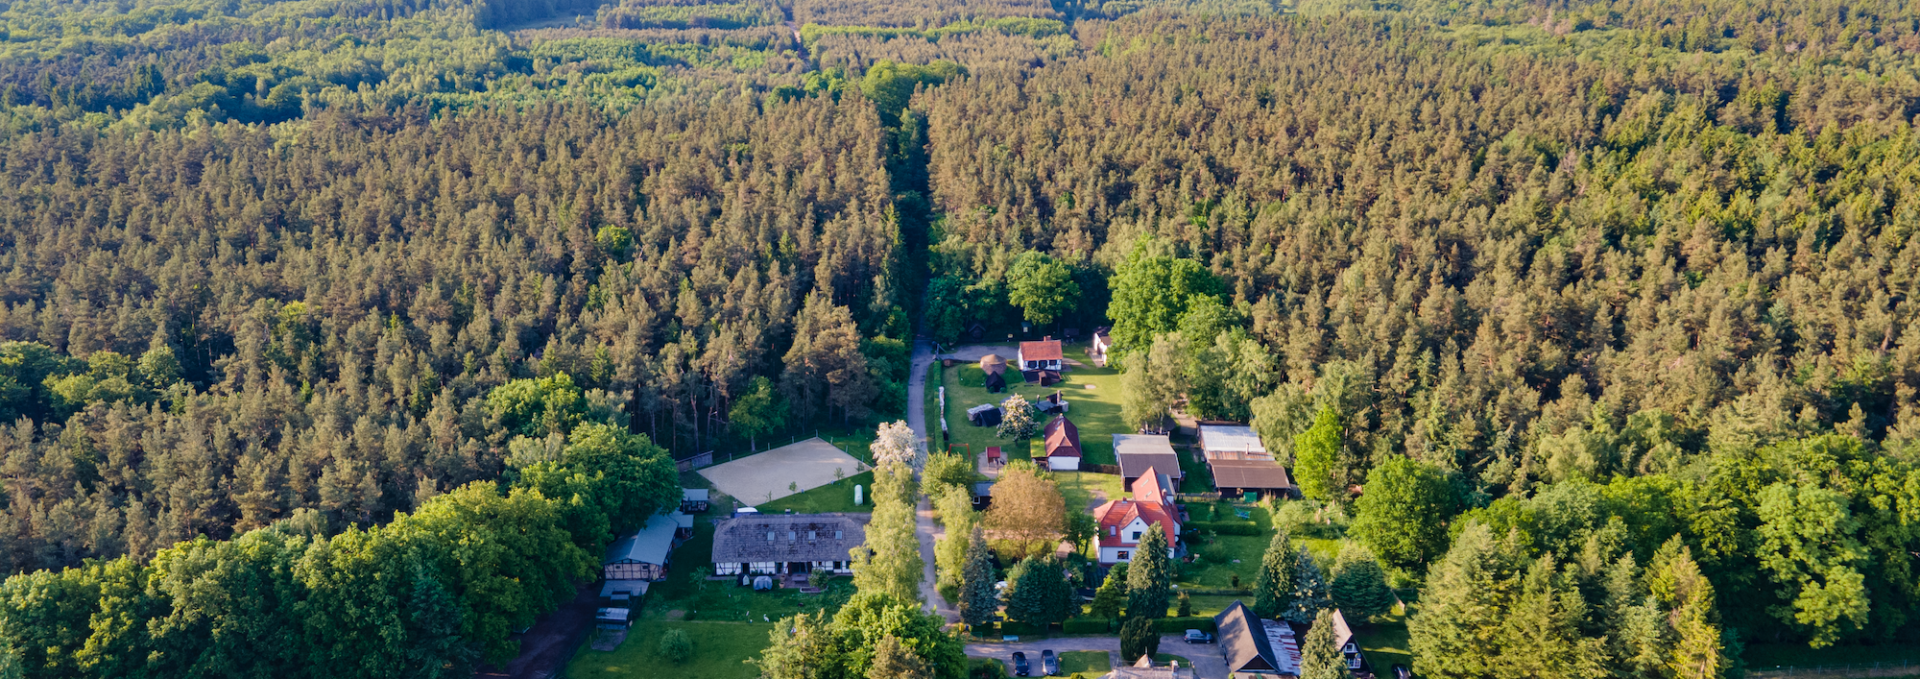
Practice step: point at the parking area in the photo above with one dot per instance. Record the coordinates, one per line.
(782, 471)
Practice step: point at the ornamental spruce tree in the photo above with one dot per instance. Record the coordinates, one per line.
(1149, 582)
(1273, 584)
(1320, 656)
(1037, 592)
(1360, 586)
(1310, 592)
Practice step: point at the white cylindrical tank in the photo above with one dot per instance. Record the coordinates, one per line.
(858, 497)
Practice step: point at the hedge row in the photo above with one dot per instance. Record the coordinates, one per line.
(1088, 626)
(1226, 527)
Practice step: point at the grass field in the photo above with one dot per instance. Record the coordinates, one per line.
(1246, 548)
(1384, 642)
(833, 497)
(1081, 489)
(1090, 663)
(720, 651)
(1093, 395)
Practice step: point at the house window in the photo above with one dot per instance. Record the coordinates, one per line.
(1136, 536)
(1121, 556)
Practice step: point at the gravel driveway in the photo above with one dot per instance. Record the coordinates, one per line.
(1206, 658)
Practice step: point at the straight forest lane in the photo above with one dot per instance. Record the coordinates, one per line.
(925, 529)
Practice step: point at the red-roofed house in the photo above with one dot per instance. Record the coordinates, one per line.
(1045, 354)
(1061, 450)
(1123, 522)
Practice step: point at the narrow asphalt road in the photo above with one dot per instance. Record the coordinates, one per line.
(927, 530)
(1206, 659)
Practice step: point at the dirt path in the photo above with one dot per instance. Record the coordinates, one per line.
(546, 648)
(926, 529)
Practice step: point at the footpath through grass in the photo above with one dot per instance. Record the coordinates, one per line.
(720, 651)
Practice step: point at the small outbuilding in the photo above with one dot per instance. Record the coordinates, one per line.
(643, 555)
(1140, 453)
(984, 415)
(996, 383)
(694, 500)
(993, 364)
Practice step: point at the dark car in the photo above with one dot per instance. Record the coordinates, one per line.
(1401, 672)
(1019, 664)
(1049, 662)
(1195, 636)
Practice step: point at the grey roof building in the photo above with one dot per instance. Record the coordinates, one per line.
(773, 544)
(1139, 452)
(1255, 646)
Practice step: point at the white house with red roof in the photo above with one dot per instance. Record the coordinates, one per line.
(1045, 354)
(1124, 522)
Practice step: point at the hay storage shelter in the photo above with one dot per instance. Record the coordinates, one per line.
(984, 415)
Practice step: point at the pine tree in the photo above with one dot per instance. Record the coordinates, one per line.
(1310, 592)
(1112, 595)
(1467, 594)
(1273, 584)
(979, 605)
(1138, 638)
(1149, 582)
(1359, 585)
(1320, 656)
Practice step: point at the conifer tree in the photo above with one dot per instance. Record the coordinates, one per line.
(1320, 656)
(1273, 584)
(1037, 592)
(979, 605)
(1149, 582)
(1112, 595)
(894, 660)
(1359, 585)
(1310, 592)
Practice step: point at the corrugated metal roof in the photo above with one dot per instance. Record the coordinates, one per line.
(650, 545)
(1237, 438)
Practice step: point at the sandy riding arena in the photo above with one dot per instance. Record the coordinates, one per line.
(806, 465)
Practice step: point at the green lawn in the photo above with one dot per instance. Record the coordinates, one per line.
(1384, 643)
(1080, 489)
(685, 595)
(1091, 663)
(1093, 395)
(720, 651)
(1247, 548)
(833, 497)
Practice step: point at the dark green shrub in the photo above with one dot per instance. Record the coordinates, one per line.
(675, 646)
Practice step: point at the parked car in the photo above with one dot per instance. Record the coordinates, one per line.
(1049, 662)
(1019, 664)
(1195, 636)
(1401, 672)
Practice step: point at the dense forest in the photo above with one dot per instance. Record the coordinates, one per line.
(1619, 291)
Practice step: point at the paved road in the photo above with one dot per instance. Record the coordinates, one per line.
(927, 531)
(1206, 658)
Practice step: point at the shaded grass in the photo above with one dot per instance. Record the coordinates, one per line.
(833, 497)
(1094, 662)
(1384, 642)
(1246, 548)
(720, 651)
